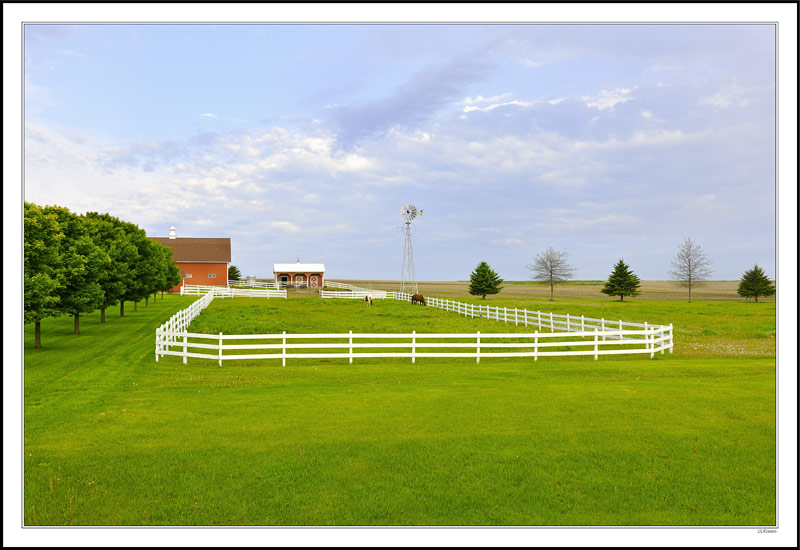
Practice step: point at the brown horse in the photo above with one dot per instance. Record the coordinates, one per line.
(418, 299)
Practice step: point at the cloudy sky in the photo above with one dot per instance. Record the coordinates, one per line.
(304, 141)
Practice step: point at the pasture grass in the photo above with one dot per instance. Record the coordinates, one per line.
(114, 438)
(701, 329)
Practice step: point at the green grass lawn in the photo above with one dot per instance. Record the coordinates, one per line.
(114, 438)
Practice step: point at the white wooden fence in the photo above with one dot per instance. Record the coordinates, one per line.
(178, 325)
(609, 329)
(355, 294)
(592, 336)
(347, 286)
(255, 284)
(230, 292)
(364, 345)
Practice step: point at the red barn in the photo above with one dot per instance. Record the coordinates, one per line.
(202, 261)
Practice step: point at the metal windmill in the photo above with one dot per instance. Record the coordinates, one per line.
(408, 278)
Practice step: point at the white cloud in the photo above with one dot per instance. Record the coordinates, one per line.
(531, 63)
(285, 227)
(606, 99)
(509, 241)
(481, 99)
(209, 115)
(733, 95)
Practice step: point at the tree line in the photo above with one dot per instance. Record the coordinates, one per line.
(690, 268)
(77, 264)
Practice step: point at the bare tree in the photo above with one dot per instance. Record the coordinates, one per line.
(551, 267)
(691, 267)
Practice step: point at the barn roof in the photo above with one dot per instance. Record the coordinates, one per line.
(297, 268)
(198, 249)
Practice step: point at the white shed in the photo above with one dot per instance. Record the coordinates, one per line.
(299, 275)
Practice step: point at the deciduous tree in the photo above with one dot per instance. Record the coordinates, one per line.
(754, 283)
(107, 233)
(84, 264)
(622, 282)
(691, 267)
(43, 270)
(169, 275)
(484, 281)
(135, 288)
(552, 267)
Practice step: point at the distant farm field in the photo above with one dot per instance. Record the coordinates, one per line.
(572, 290)
(113, 437)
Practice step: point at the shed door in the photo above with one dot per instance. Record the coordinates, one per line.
(313, 281)
(298, 280)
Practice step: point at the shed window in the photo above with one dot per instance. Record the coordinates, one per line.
(212, 275)
(188, 275)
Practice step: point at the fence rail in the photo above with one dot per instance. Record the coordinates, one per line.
(596, 336)
(553, 322)
(347, 286)
(255, 284)
(355, 294)
(177, 343)
(230, 292)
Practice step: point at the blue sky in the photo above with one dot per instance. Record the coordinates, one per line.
(608, 141)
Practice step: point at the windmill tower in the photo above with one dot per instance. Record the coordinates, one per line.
(408, 277)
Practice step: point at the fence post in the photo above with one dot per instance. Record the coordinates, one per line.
(646, 338)
(670, 338)
(516, 317)
(569, 327)
(539, 317)
(583, 326)
(551, 322)
(351, 347)
(621, 338)
(536, 346)
(603, 326)
(525, 316)
(505, 314)
(185, 341)
(478, 352)
(220, 349)
(283, 350)
(595, 343)
(413, 346)
(157, 344)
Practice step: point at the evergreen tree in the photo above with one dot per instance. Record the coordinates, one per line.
(622, 282)
(754, 283)
(44, 272)
(233, 273)
(484, 281)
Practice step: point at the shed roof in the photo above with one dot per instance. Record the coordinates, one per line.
(198, 249)
(298, 268)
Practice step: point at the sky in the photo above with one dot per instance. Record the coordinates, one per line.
(304, 141)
